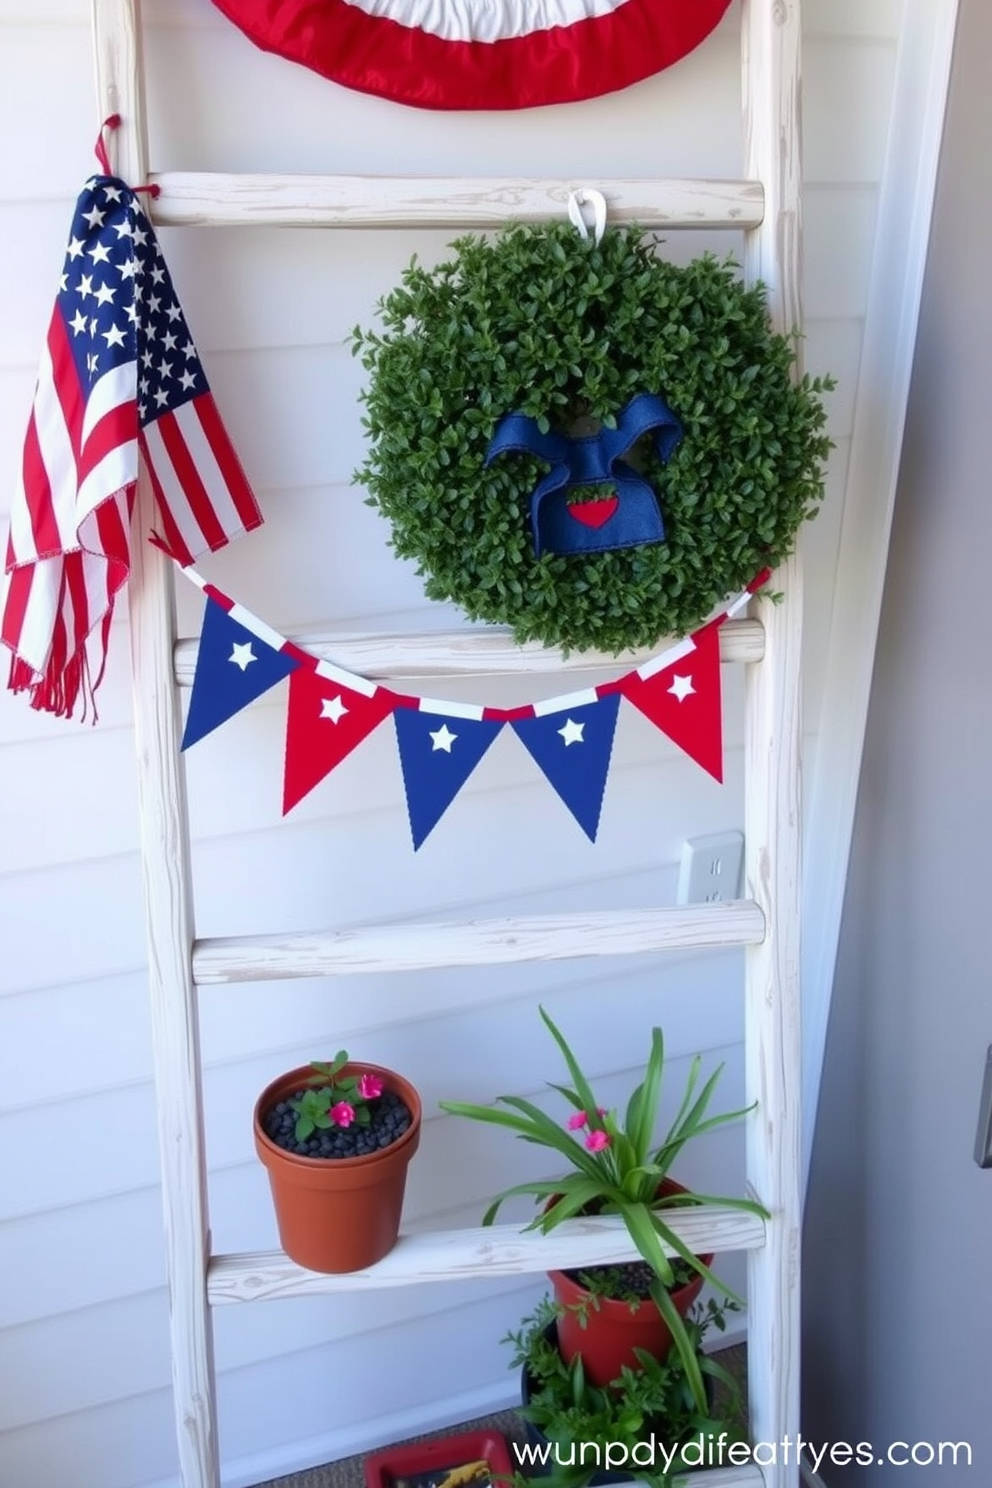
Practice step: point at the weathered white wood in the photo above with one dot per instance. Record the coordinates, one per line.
(462, 1255)
(262, 958)
(191, 199)
(165, 863)
(772, 125)
(475, 653)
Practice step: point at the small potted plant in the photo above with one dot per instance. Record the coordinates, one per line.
(618, 1167)
(644, 1424)
(336, 1139)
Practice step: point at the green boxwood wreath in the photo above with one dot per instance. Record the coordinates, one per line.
(542, 320)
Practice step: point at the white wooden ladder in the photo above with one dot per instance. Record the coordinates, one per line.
(765, 203)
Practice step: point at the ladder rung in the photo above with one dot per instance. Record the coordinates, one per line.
(467, 653)
(418, 947)
(209, 199)
(485, 1251)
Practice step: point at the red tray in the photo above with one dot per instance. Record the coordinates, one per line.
(446, 1462)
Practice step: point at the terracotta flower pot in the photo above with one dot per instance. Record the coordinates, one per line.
(612, 1328)
(337, 1214)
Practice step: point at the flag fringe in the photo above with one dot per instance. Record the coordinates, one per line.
(57, 690)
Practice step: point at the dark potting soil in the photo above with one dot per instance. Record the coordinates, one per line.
(630, 1280)
(389, 1119)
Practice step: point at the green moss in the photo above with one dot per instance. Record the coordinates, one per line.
(543, 321)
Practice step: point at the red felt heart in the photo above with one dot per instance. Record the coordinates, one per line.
(594, 513)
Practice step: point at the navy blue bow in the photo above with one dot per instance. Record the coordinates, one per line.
(632, 517)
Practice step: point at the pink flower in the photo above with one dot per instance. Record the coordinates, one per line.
(342, 1114)
(577, 1121)
(369, 1086)
(597, 1140)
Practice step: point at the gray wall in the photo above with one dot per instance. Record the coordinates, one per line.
(898, 1306)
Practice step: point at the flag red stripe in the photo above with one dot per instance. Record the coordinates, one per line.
(41, 507)
(70, 394)
(15, 608)
(113, 536)
(75, 583)
(189, 478)
(226, 456)
(114, 430)
(174, 540)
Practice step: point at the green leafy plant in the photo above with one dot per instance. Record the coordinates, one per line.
(541, 321)
(334, 1099)
(654, 1403)
(617, 1167)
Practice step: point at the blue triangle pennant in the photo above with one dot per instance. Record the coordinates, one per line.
(437, 755)
(233, 668)
(573, 746)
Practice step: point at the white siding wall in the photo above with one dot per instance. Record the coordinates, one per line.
(85, 1398)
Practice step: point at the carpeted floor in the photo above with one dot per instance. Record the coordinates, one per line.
(349, 1473)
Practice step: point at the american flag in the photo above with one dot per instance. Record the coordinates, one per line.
(119, 373)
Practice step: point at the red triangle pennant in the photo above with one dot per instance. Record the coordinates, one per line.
(683, 699)
(325, 721)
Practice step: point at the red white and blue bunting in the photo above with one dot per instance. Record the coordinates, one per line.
(460, 54)
(570, 737)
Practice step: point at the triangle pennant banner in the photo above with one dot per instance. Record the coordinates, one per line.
(327, 718)
(233, 668)
(572, 746)
(438, 752)
(683, 698)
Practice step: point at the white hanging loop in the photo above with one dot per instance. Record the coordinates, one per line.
(595, 199)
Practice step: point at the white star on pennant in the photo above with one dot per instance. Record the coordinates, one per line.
(242, 655)
(333, 708)
(442, 738)
(572, 732)
(681, 687)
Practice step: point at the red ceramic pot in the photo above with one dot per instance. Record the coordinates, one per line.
(613, 1330)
